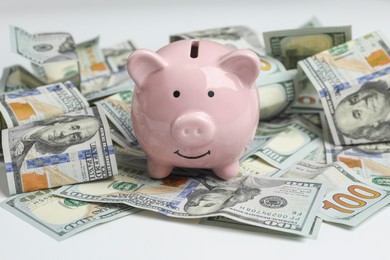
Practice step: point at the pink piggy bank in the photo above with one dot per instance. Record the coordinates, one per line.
(195, 105)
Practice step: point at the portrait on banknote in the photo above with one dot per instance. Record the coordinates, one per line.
(42, 144)
(365, 114)
(220, 195)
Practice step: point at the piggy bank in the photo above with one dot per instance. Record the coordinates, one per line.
(195, 105)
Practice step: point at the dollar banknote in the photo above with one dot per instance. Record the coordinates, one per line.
(53, 55)
(43, 48)
(307, 96)
(236, 37)
(117, 109)
(293, 139)
(115, 57)
(348, 199)
(16, 78)
(290, 46)
(70, 148)
(58, 72)
(255, 165)
(352, 80)
(59, 217)
(24, 107)
(94, 71)
(370, 161)
(283, 205)
(276, 93)
(268, 66)
(229, 223)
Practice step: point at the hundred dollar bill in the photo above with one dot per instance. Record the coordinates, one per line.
(58, 72)
(348, 200)
(53, 55)
(307, 95)
(229, 223)
(294, 141)
(290, 46)
(59, 217)
(353, 82)
(284, 205)
(93, 69)
(313, 116)
(370, 161)
(115, 58)
(117, 109)
(16, 78)
(70, 148)
(268, 66)
(43, 48)
(20, 108)
(255, 165)
(276, 93)
(236, 37)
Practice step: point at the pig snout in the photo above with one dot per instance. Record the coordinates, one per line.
(193, 129)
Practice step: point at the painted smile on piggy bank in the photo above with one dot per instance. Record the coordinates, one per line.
(192, 157)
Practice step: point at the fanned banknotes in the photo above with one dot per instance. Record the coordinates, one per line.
(67, 149)
(284, 205)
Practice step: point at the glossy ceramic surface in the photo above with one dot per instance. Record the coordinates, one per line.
(195, 105)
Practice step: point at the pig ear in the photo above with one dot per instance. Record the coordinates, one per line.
(141, 63)
(242, 63)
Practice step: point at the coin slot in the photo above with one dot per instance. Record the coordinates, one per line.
(194, 49)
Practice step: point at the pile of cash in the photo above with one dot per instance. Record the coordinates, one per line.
(321, 150)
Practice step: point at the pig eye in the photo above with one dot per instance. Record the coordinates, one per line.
(176, 93)
(210, 93)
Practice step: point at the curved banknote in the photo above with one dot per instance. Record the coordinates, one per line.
(237, 37)
(284, 205)
(115, 58)
(16, 78)
(307, 95)
(276, 93)
(58, 72)
(71, 148)
(117, 109)
(348, 200)
(291, 140)
(353, 81)
(61, 218)
(291, 46)
(94, 71)
(229, 223)
(53, 55)
(43, 48)
(44, 102)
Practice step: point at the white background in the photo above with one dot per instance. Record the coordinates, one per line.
(149, 24)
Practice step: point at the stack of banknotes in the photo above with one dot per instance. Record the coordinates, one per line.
(321, 150)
